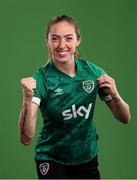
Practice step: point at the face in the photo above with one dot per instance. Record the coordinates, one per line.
(62, 41)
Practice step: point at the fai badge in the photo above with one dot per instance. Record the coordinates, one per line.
(44, 168)
(88, 86)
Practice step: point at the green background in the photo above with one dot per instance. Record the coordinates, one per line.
(108, 30)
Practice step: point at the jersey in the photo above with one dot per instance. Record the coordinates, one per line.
(68, 133)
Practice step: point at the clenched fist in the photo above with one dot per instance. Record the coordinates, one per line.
(108, 82)
(28, 87)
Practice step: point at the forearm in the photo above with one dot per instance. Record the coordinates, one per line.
(120, 109)
(26, 126)
(117, 105)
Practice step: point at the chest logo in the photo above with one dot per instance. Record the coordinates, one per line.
(88, 86)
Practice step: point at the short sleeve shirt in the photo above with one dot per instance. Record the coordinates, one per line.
(68, 134)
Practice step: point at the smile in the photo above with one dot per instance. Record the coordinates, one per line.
(62, 53)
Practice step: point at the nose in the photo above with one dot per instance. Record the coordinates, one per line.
(62, 43)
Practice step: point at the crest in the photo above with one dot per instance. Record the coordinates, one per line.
(88, 86)
(44, 168)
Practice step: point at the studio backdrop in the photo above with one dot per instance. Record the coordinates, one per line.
(108, 29)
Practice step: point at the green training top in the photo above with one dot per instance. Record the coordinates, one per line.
(68, 133)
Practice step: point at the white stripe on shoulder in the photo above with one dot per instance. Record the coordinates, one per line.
(36, 100)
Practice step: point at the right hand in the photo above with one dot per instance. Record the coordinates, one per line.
(28, 87)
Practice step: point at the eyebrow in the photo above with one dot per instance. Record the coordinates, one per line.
(64, 36)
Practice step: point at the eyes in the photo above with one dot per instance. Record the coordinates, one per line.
(57, 39)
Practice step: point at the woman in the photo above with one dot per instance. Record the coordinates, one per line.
(65, 90)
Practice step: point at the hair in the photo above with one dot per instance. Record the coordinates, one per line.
(58, 19)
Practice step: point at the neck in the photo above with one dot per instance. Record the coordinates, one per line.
(66, 67)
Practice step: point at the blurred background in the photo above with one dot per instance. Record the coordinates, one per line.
(109, 39)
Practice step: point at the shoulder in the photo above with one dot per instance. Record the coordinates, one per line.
(44, 70)
(94, 68)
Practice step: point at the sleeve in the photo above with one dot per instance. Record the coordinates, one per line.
(41, 91)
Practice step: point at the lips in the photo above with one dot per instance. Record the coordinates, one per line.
(63, 53)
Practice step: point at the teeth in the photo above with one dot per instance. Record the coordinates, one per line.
(62, 53)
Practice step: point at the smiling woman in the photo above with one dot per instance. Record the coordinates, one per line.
(62, 41)
(62, 22)
(65, 90)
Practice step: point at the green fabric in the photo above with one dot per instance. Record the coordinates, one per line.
(68, 134)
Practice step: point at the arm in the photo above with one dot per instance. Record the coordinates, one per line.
(117, 105)
(28, 114)
(120, 109)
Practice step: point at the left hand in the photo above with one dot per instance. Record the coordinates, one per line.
(109, 83)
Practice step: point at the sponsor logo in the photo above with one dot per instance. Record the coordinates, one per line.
(73, 112)
(88, 86)
(44, 168)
